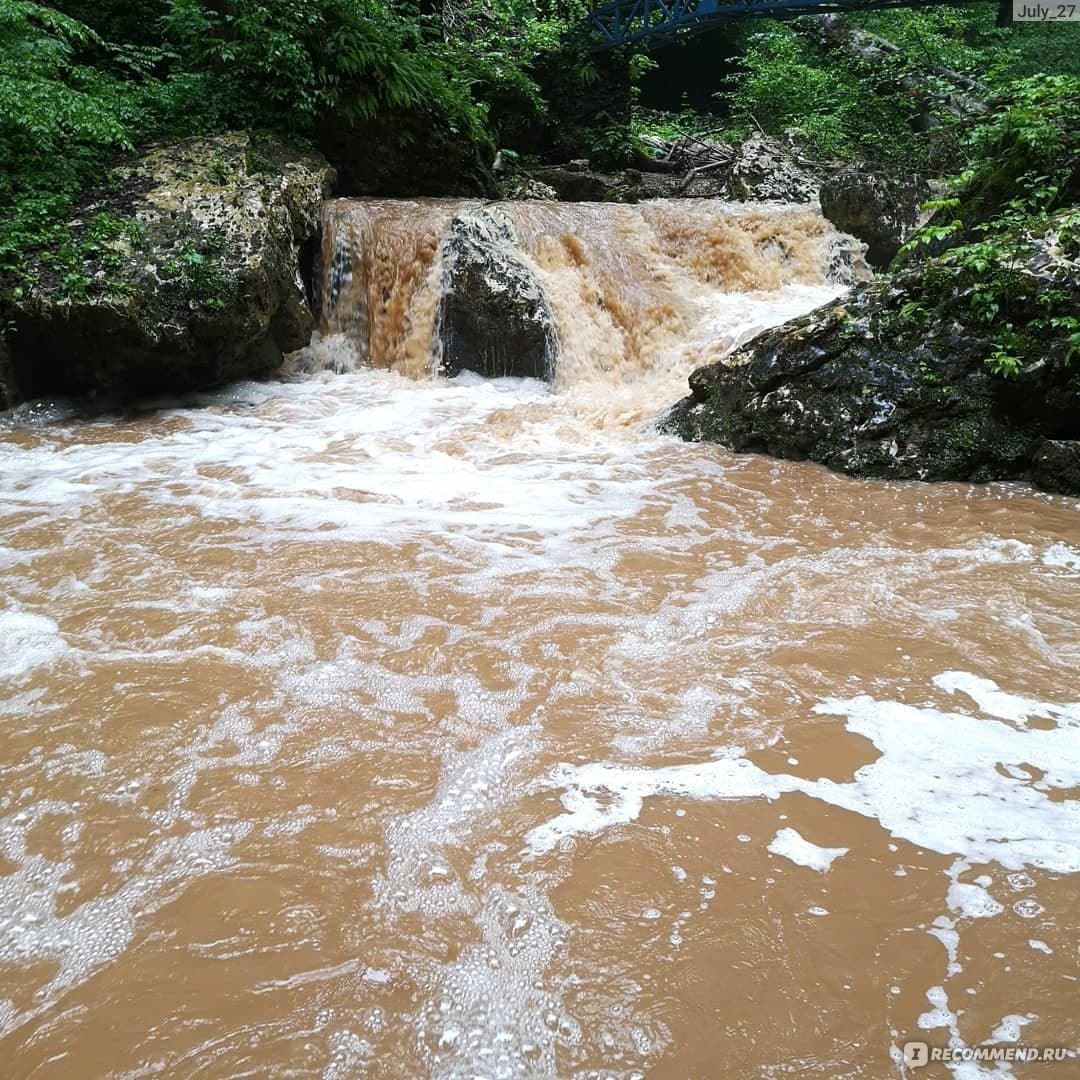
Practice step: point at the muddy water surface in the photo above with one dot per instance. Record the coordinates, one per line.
(365, 726)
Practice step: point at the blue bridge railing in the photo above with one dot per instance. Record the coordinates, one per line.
(660, 22)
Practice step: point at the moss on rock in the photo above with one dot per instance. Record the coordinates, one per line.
(866, 392)
(183, 270)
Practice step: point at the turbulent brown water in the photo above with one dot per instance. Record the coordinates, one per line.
(367, 725)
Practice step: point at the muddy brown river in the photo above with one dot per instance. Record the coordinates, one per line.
(373, 724)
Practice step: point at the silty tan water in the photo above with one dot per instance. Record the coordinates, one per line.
(371, 724)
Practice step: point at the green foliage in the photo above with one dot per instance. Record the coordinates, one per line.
(83, 80)
(59, 119)
(45, 107)
(198, 268)
(1001, 248)
(848, 109)
(283, 64)
(786, 82)
(967, 39)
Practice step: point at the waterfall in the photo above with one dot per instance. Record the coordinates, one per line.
(633, 289)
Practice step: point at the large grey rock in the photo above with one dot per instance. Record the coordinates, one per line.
(493, 316)
(881, 211)
(187, 273)
(765, 170)
(526, 188)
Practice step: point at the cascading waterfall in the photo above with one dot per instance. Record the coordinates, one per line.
(635, 290)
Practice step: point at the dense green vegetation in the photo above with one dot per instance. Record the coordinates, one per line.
(81, 80)
(896, 110)
(1002, 248)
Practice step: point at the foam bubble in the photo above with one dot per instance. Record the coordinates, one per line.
(30, 642)
(791, 845)
(972, 901)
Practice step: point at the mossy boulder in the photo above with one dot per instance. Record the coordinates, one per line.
(1056, 465)
(860, 389)
(185, 269)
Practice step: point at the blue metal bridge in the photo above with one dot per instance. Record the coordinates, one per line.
(660, 22)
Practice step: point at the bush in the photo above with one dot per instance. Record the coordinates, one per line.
(786, 82)
(1001, 249)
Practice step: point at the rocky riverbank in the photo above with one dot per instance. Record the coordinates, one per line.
(193, 266)
(185, 269)
(867, 389)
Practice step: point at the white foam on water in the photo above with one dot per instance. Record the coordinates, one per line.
(940, 1015)
(373, 458)
(1061, 555)
(972, 901)
(944, 929)
(990, 699)
(29, 642)
(936, 784)
(793, 846)
(493, 481)
(1011, 1027)
(599, 796)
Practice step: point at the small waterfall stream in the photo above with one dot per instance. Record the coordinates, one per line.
(634, 289)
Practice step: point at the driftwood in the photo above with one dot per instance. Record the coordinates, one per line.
(688, 153)
(688, 179)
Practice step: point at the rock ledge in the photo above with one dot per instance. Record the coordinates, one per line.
(188, 273)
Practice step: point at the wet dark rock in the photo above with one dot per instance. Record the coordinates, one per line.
(1056, 466)
(881, 211)
(7, 376)
(577, 182)
(493, 316)
(196, 281)
(854, 387)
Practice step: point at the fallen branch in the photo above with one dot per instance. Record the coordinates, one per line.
(690, 176)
